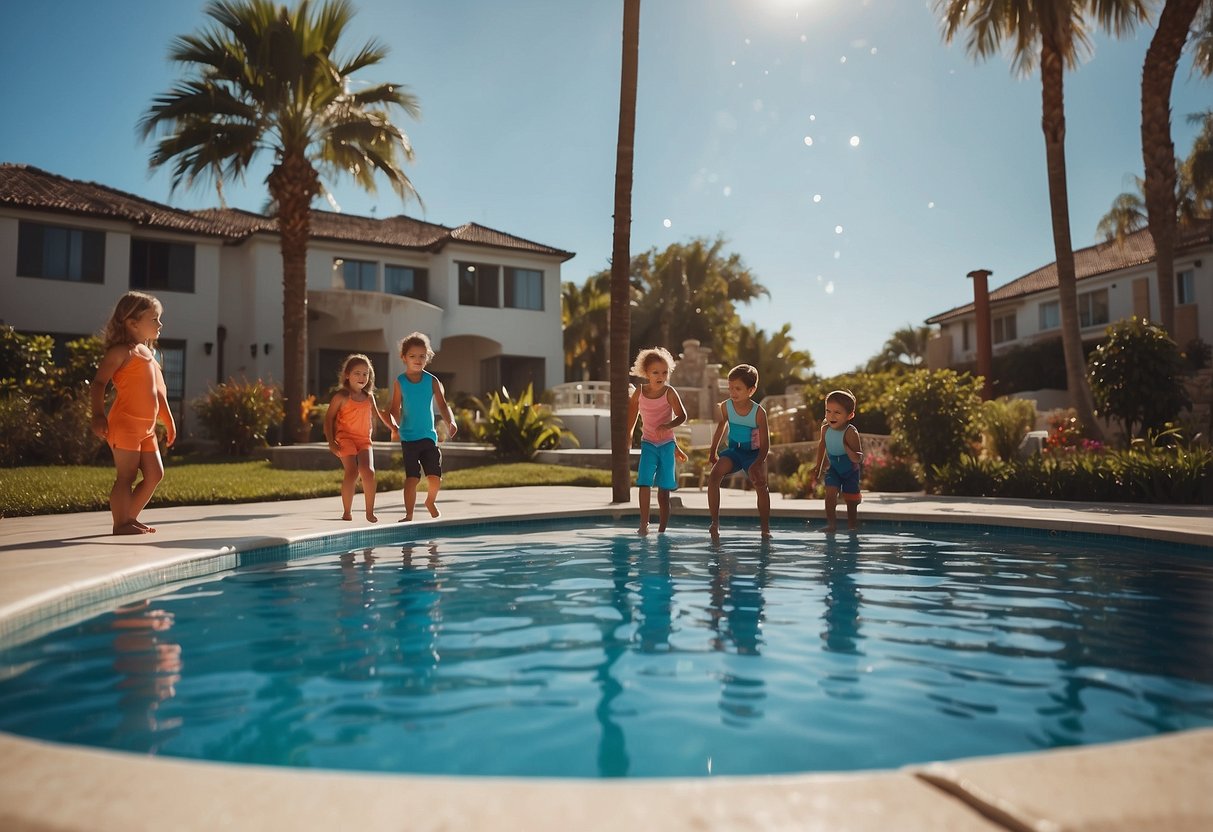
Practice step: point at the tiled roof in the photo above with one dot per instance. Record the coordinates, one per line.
(24, 186)
(1137, 248)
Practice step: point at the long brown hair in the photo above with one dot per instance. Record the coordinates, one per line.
(343, 377)
(128, 308)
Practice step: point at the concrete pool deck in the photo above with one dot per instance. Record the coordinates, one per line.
(65, 560)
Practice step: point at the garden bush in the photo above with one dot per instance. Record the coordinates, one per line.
(239, 414)
(1003, 424)
(518, 428)
(933, 415)
(1136, 376)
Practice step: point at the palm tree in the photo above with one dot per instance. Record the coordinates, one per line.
(585, 315)
(778, 362)
(1196, 172)
(621, 262)
(906, 349)
(1053, 32)
(1127, 215)
(1157, 149)
(267, 77)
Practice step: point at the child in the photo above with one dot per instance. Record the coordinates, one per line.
(660, 410)
(130, 428)
(749, 442)
(347, 427)
(840, 442)
(413, 398)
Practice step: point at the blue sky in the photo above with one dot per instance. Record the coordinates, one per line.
(922, 165)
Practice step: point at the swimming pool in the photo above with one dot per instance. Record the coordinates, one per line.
(554, 649)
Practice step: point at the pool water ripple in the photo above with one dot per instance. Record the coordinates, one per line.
(558, 650)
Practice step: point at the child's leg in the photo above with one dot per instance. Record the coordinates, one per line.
(366, 470)
(852, 515)
(349, 465)
(722, 467)
(434, 484)
(663, 507)
(758, 478)
(410, 496)
(127, 465)
(831, 507)
(646, 493)
(152, 469)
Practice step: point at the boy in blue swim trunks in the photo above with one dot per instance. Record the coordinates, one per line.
(841, 446)
(749, 440)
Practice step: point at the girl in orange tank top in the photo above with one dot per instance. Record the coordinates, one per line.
(347, 427)
(142, 400)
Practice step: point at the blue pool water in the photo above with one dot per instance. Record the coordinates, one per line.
(582, 650)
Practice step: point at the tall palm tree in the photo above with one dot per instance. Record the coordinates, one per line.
(265, 77)
(1197, 171)
(1053, 32)
(905, 349)
(775, 357)
(621, 261)
(585, 315)
(1157, 149)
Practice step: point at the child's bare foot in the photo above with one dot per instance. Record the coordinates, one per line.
(714, 530)
(144, 527)
(346, 516)
(433, 509)
(129, 527)
(831, 529)
(661, 529)
(370, 516)
(643, 530)
(406, 518)
(766, 533)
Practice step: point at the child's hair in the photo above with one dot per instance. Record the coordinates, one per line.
(352, 360)
(417, 339)
(842, 397)
(747, 373)
(646, 357)
(129, 307)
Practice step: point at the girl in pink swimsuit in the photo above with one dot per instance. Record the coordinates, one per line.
(347, 427)
(141, 401)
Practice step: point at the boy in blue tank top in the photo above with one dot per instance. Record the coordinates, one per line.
(840, 445)
(415, 395)
(749, 442)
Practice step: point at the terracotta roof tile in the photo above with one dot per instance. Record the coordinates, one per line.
(26, 186)
(1092, 261)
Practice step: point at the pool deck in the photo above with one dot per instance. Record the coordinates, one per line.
(1161, 783)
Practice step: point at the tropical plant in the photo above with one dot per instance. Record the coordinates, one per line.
(585, 318)
(1053, 33)
(1003, 424)
(778, 362)
(906, 349)
(239, 414)
(1127, 215)
(1157, 149)
(933, 414)
(519, 428)
(871, 392)
(264, 76)
(1196, 172)
(621, 324)
(1136, 376)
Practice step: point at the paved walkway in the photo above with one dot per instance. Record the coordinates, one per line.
(1152, 784)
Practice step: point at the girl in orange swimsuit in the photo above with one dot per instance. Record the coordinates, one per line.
(142, 400)
(347, 427)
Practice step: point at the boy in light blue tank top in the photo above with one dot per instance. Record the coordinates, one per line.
(841, 447)
(749, 442)
(415, 395)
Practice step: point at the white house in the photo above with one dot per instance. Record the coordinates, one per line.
(1115, 281)
(489, 301)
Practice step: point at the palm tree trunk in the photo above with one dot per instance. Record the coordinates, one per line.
(621, 323)
(1157, 149)
(293, 184)
(1053, 123)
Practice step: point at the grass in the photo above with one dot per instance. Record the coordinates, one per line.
(70, 488)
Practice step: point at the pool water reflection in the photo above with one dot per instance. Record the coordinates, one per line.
(561, 650)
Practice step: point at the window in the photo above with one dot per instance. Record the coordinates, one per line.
(156, 264)
(406, 281)
(172, 364)
(477, 284)
(360, 275)
(1185, 287)
(1004, 329)
(1093, 308)
(1050, 315)
(523, 289)
(55, 253)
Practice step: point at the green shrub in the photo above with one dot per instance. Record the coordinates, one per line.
(871, 396)
(889, 473)
(239, 414)
(1003, 424)
(933, 414)
(1135, 376)
(795, 486)
(518, 428)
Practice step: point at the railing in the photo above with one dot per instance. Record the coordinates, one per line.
(595, 394)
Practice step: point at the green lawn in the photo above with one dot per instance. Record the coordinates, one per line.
(59, 489)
